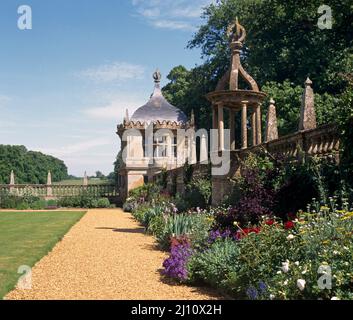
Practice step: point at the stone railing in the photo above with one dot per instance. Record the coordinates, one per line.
(60, 191)
(322, 142)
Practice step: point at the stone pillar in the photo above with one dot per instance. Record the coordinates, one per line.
(85, 180)
(49, 183)
(244, 129)
(232, 129)
(253, 127)
(12, 178)
(12, 182)
(203, 149)
(307, 112)
(220, 127)
(271, 123)
(214, 117)
(258, 124)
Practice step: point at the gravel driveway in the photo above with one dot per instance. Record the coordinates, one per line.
(105, 256)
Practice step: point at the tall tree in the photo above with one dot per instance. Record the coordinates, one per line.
(283, 46)
(29, 166)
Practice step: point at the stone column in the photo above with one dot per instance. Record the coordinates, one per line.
(12, 182)
(215, 117)
(244, 129)
(271, 123)
(253, 127)
(49, 183)
(232, 129)
(85, 180)
(307, 112)
(12, 178)
(220, 127)
(258, 124)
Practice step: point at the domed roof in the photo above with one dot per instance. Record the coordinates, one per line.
(158, 108)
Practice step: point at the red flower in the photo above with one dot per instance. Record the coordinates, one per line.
(289, 225)
(270, 222)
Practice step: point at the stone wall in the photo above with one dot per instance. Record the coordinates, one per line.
(322, 142)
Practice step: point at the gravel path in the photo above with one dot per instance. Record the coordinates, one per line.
(105, 256)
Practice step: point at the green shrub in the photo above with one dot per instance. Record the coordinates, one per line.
(215, 264)
(198, 193)
(156, 226)
(103, 203)
(26, 201)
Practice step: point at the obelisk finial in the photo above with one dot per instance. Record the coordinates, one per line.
(85, 179)
(12, 178)
(307, 112)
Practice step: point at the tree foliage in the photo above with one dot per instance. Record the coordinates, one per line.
(283, 46)
(29, 166)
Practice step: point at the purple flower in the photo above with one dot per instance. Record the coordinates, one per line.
(176, 265)
(252, 293)
(217, 234)
(262, 287)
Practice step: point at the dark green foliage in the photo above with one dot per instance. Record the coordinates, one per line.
(198, 193)
(29, 166)
(25, 202)
(84, 200)
(214, 264)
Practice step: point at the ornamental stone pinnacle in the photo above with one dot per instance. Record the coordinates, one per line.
(307, 112)
(271, 123)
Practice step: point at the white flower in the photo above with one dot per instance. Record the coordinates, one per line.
(285, 266)
(279, 272)
(335, 298)
(285, 283)
(296, 263)
(272, 296)
(301, 284)
(336, 253)
(290, 237)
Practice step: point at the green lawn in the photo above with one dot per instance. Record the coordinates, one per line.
(25, 237)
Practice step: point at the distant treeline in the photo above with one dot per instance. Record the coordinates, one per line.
(29, 166)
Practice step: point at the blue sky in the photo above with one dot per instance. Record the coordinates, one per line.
(65, 84)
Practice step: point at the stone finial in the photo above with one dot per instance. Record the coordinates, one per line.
(192, 118)
(307, 112)
(271, 123)
(49, 182)
(85, 179)
(157, 76)
(12, 178)
(127, 117)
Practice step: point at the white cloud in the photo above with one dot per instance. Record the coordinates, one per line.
(171, 14)
(75, 148)
(116, 108)
(113, 72)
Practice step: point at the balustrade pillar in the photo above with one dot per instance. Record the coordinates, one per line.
(253, 127)
(232, 129)
(244, 128)
(258, 124)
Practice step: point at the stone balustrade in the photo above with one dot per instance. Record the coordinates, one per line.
(60, 191)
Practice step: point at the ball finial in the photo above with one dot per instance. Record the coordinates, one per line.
(157, 76)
